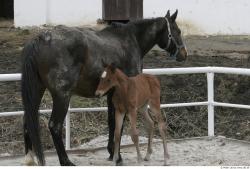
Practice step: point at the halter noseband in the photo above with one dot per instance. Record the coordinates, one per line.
(171, 38)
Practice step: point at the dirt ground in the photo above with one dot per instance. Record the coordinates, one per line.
(228, 51)
(217, 151)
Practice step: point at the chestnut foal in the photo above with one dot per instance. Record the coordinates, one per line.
(132, 95)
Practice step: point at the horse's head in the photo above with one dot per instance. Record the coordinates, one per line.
(107, 80)
(171, 40)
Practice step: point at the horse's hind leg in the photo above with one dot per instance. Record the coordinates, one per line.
(155, 108)
(149, 123)
(59, 111)
(29, 154)
(134, 133)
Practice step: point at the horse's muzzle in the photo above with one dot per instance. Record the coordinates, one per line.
(182, 55)
(99, 93)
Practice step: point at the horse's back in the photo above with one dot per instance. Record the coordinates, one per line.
(150, 79)
(149, 84)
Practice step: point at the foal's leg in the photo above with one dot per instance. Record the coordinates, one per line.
(134, 133)
(150, 129)
(155, 108)
(59, 111)
(118, 125)
(111, 125)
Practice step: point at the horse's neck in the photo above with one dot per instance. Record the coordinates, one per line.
(148, 33)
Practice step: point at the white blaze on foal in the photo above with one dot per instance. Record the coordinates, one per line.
(104, 74)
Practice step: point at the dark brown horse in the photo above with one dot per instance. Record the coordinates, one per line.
(133, 95)
(67, 61)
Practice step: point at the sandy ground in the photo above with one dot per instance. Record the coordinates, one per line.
(186, 152)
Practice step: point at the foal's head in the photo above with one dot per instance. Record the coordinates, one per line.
(171, 41)
(107, 81)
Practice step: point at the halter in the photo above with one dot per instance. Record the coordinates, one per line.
(171, 38)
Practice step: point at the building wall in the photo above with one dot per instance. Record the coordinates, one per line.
(195, 16)
(54, 12)
(77, 12)
(29, 12)
(205, 16)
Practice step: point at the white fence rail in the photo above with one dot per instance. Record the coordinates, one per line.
(210, 103)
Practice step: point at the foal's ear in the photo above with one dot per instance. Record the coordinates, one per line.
(104, 64)
(174, 16)
(168, 14)
(112, 67)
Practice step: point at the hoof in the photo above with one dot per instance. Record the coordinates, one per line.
(30, 163)
(68, 163)
(119, 163)
(110, 158)
(165, 164)
(139, 160)
(29, 159)
(147, 157)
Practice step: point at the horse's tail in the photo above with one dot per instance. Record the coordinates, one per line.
(30, 87)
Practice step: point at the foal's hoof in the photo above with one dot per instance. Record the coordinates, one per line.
(119, 163)
(147, 157)
(110, 158)
(139, 160)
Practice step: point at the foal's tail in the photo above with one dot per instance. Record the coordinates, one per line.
(31, 89)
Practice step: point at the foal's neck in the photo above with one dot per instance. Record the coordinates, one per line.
(122, 80)
(148, 33)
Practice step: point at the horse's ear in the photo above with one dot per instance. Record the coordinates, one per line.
(174, 16)
(112, 67)
(168, 14)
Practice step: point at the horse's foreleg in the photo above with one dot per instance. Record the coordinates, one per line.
(111, 125)
(118, 126)
(59, 111)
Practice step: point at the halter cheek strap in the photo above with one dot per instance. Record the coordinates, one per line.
(169, 34)
(171, 38)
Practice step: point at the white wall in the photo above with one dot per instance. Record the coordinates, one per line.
(54, 12)
(195, 16)
(74, 12)
(205, 16)
(29, 12)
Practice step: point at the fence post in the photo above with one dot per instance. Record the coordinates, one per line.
(67, 132)
(210, 107)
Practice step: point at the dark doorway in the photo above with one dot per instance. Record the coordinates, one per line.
(122, 10)
(7, 9)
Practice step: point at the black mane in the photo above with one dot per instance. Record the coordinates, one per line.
(134, 26)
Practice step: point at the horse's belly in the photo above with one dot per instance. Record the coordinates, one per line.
(85, 88)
